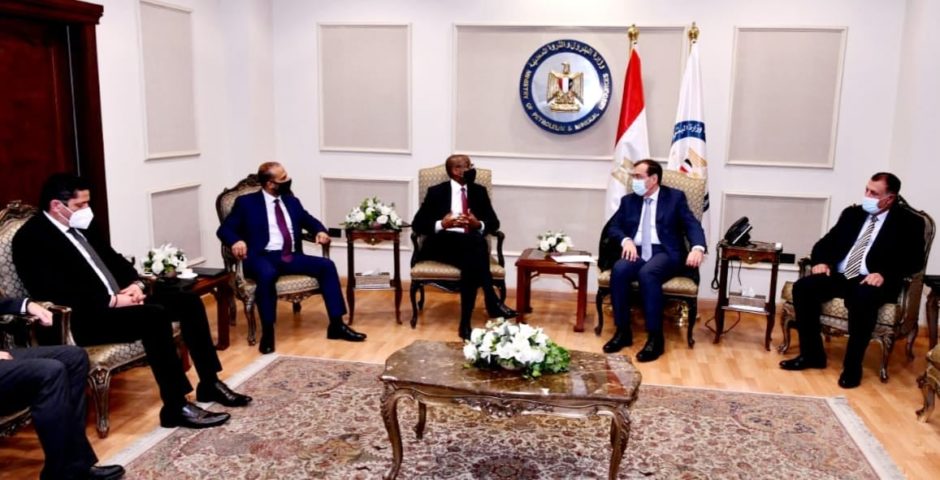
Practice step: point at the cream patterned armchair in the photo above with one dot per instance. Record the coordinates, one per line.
(442, 275)
(895, 320)
(929, 383)
(105, 360)
(684, 286)
(290, 288)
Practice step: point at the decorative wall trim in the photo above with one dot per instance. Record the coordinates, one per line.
(197, 257)
(410, 186)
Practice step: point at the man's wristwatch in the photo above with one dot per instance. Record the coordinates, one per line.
(141, 285)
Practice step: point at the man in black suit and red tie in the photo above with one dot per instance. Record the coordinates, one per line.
(456, 215)
(51, 382)
(862, 259)
(264, 232)
(651, 226)
(59, 258)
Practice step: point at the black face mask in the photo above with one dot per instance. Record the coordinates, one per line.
(470, 176)
(284, 187)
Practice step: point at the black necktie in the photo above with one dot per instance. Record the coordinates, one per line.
(96, 259)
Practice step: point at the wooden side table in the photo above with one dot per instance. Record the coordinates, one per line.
(372, 237)
(755, 252)
(932, 306)
(534, 262)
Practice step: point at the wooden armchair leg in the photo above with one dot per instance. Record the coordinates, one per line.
(413, 293)
(911, 337)
(693, 314)
(252, 322)
(887, 345)
(599, 303)
(930, 393)
(501, 288)
(99, 381)
(296, 308)
(786, 323)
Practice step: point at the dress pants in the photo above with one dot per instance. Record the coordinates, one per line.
(51, 381)
(862, 302)
(469, 252)
(651, 274)
(266, 268)
(152, 324)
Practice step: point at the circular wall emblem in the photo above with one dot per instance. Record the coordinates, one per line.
(565, 86)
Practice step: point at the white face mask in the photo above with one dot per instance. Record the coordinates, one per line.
(80, 218)
(639, 187)
(870, 205)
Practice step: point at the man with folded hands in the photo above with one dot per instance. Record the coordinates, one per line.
(59, 258)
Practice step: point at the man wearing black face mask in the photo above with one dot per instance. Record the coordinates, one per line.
(60, 259)
(456, 215)
(264, 231)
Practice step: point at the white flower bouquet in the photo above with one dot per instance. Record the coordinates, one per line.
(165, 260)
(554, 242)
(372, 214)
(506, 344)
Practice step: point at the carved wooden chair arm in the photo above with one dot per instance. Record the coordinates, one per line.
(313, 239)
(500, 238)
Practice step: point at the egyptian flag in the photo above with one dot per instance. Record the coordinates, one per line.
(632, 140)
(687, 153)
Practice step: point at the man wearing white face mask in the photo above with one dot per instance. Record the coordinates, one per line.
(863, 260)
(651, 226)
(60, 259)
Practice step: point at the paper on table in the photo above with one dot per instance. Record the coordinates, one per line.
(573, 258)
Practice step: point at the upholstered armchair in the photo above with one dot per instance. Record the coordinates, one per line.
(15, 332)
(683, 287)
(290, 288)
(895, 320)
(441, 275)
(105, 360)
(929, 383)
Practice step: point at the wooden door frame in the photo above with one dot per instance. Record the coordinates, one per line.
(80, 20)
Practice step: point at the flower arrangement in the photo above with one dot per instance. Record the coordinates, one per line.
(373, 214)
(506, 344)
(164, 260)
(554, 242)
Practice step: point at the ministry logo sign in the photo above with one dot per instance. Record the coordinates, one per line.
(565, 86)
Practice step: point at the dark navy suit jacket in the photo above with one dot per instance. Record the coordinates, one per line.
(248, 221)
(674, 222)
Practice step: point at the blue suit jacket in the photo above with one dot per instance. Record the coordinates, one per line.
(674, 222)
(248, 221)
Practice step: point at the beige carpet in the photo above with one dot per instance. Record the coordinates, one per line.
(315, 418)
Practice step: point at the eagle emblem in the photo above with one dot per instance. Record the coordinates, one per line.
(565, 89)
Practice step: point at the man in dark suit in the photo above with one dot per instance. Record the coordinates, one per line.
(264, 231)
(60, 258)
(456, 215)
(862, 259)
(51, 382)
(651, 225)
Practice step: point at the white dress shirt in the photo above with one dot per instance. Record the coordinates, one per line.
(81, 249)
(654, 236)
(456, 207)
(874, 234)
(275, 239)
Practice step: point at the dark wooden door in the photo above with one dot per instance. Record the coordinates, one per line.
(50, 104)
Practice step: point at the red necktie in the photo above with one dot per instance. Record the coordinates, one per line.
(463, 204)
(287, 249)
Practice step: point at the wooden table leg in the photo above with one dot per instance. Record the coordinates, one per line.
(396, 252)
(350, 277)
(522, 281)
(619, 436)
(390, 417)
(224, 301)
(582, 301)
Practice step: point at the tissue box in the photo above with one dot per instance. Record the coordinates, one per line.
(736, 299)
(373, 280)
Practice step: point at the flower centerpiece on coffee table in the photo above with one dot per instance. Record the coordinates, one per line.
(165, 261)
(512, 346)
(554, 242)
(372, 214)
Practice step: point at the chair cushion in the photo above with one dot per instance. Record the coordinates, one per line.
(290, 284)
(933, 356)
(836, 315)
(112, 355)
(675, 286)
(431, 270)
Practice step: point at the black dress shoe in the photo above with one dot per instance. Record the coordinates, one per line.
(850, 380)
(502, 310)
(464, 331)
(340, 331)
(620, 339)
(219, 392)
(191, 416)
(652, 350)
(105, 472)
(802, 363)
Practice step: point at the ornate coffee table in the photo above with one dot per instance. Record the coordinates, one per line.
(434, 373)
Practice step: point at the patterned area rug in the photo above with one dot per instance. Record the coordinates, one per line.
(315, 418)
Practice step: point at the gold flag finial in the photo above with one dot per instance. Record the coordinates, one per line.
(633, 33)
(693, 33)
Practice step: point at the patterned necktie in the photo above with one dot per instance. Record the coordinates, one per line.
(287, 249)
(646, 247)
(853, 266)
(109, 278)
(464, 205)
